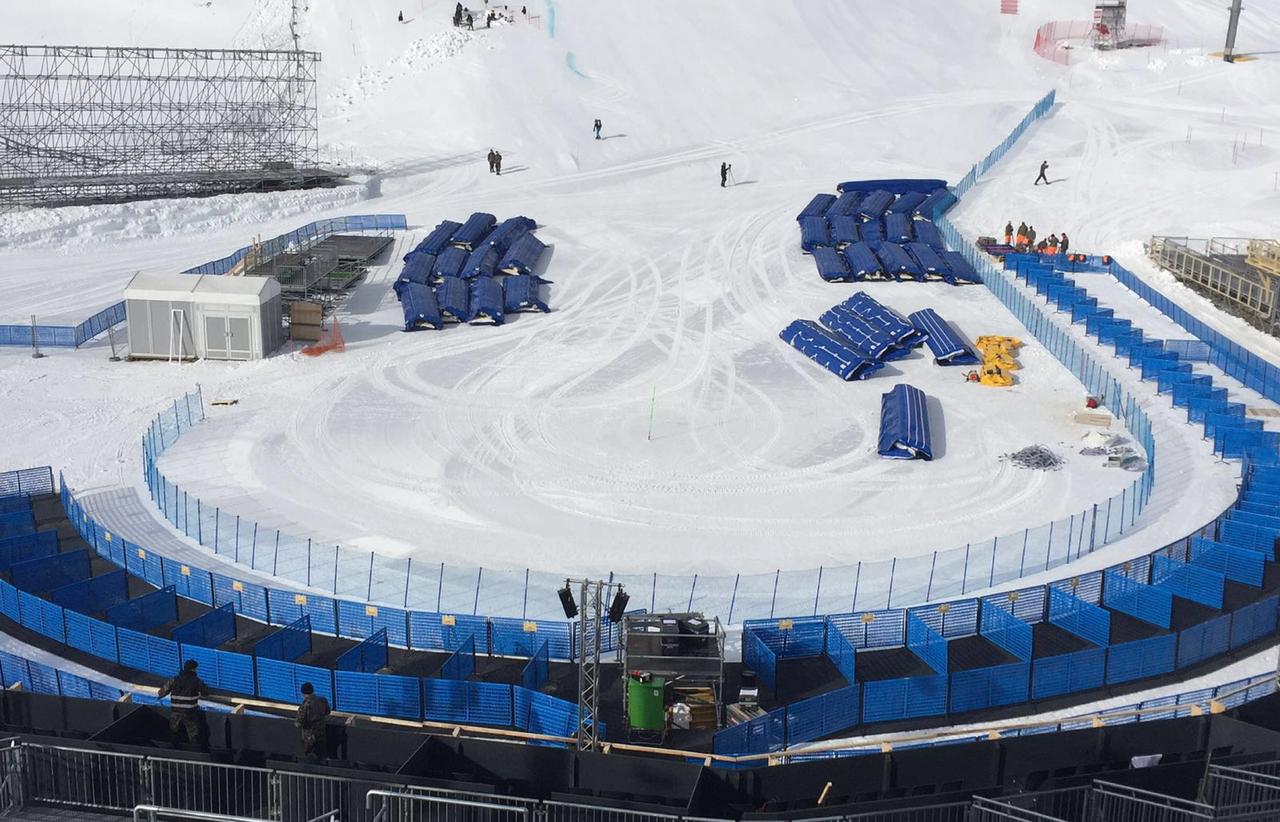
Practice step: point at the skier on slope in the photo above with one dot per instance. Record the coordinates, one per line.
(1044, 167)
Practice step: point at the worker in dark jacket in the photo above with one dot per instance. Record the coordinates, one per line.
(311, 721)
(184, 692)
(1065, 243)
(1008, 233)
(1044, 177)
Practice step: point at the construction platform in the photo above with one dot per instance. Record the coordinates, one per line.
(1241, 275)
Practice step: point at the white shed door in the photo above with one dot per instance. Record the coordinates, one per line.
(239, 339)
(215, 336)
(228, 337)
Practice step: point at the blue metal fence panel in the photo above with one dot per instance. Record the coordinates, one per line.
(27, 546)
(551, 716)
(359, 620)
(42, 617)
(1243, 565)
(760, 735)
(287, 607)
(1001, 628)
(146, 612)
(147, 653)
(188, 582)
(1141, 659)
(356, 691)
(1081, 618)
(143, 563)
(1254, 621)
(94, 594)
(820, 716)
(760, 658)
(951, 619)
(461, 664)
(44, 678)
(842, 654)
(282, 681)
(9, 603)
(798, 637)
(14, 670)
(478, 703)
(1244, 535)
(535, 672)
(1200, 642)
(71, 685)
(369, 656)
(443, 632)
(288, 643)
(93, 636)
(45, 573)
(873, 629)
(1192, 582)
(250, 600)
(980, 688)
(522, 637)
(1068, 673)
(927, 644)
(889, 699)
(29, 481)
(1149, 604)
(208, 630)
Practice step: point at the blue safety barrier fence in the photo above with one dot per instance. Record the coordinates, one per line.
(287, 643)
(536, 671)
(759, 658)
(47, 573)
(146, 612)
(1153, 605)
(1193, 582)
(368, 656)
(62, 336)
(1084, 619)
(208, 630)
(461, 664)
(990, 687)
(29, 482)
(1004, 630)
(926, 643)
(27, 546)
(93, 595)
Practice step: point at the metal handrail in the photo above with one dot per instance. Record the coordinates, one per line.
(1153, 799)
(154, 812)
(433, 800)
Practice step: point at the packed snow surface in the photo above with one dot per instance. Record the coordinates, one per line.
(530, 445)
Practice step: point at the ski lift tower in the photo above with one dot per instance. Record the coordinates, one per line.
(1108, 23)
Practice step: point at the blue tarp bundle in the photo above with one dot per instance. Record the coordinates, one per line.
(486, 300)
(875, 204)
(436, 241)
(831, 265)
(420, 307)
(507, 232)
(846, 204)
(897, 228)
(927, 233)
(817, 207)
(814, 232)
(523, 256)
(870, 340)
(417, 270)
(454, 297)
(483, 262)
(938, 201)
(947, 346)
(521, 293)
(904, 424)
(907, 203)
(450, 263)
(930, 263)
(894, 186)
(872, 233)
(960, 268)
(474, 231)
(862, 261)
(869, 307)
(898, 263)
(844, 229)
(829, 350)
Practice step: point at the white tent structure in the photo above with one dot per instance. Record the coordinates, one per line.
(189, 316)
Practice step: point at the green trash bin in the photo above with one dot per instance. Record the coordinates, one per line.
(647, 704)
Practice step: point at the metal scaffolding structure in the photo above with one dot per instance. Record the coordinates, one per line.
(105, 124)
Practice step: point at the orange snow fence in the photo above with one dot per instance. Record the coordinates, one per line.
(332, 341)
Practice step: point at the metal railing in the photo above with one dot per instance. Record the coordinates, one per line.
(155, 813)
(994, 810)
(1121, 803)
(1242, 795)
(393, 806)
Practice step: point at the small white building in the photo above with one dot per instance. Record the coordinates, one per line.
(189, 316)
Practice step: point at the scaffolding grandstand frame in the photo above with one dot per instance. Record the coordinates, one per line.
(88, 124)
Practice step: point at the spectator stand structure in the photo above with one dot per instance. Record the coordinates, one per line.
(474, 272)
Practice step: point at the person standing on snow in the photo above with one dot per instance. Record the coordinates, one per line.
(497, 163)
(493, 159)
(1008, 233)
(1044, 166)
(1064, 244)
(1022, 234)
(596, 127)
(471, 23)
(1031, 236)
(724, 173)
(400, 17)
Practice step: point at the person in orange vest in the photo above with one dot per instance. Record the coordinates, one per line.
(1008, 233)
(1053, 245)
(1022, 234)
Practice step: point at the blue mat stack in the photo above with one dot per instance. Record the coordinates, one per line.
(882, 230)
(478, 271)
(855, 338)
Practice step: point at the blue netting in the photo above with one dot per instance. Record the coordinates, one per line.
(146, 612)
(208, 630)
(1141, 659)
(288, 643)
(461, 664)
(974, 690)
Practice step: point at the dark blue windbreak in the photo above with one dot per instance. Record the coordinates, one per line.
(522, 293)
(904, 424)
(523, 256)
(420, 307)
(946, 344)
(829, 350)
(486, 300)
(454, 297)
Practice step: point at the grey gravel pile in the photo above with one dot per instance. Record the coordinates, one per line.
(1035, 457)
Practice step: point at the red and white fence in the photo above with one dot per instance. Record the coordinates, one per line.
(1055, 40)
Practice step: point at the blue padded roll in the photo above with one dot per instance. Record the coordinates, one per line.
(454, 297)
(486, 300)
(523, 256)
(873, 341)
(897, 228)
(831, 265)
(474, 231)
(436, 241)
(814, 233)
(817, 207)
(420, 307)
(863, 304)
(875, 204)
(450, 263)
(862, 261)
(829, 350)
(898, 263)
(904, 424)
(522, 293)
(844, 229)
(947, 346)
